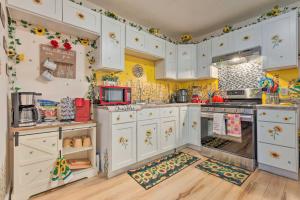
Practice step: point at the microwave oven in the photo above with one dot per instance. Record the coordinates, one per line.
(114, 95)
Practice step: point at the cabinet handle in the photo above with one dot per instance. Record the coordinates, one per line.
(130, 116)
(170, 111)
(118, 118)
(203, 55)
(246, 37)
(274, 155)
(183, 124)
(150, 114)
(263, 113)
(37, 1)
(40, 171)
(27, 173)
(53, 145)
(136, 39)
(156, 46)
(44, 141)
(31, 152)
(287, 118)
(112, 35)
(221, 44)
(171, 53)
(80, 15)
(184, 53)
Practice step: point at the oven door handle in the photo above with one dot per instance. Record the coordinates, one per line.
(244, 118)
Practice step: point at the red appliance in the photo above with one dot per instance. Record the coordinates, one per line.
(114, 95)
(196, 99)
(83, 110)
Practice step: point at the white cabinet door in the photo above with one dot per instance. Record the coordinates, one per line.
(187, 61)
(135, 39)
(205, 69)
(123, 145)
(183, 128)
(280, 41)
(247, 38)
(168, 132)
(167, 68)
(194, 125)
(82, 17)
(47, 8)
(222, 45)
(155, 46)
(112, 45)
(147, 138)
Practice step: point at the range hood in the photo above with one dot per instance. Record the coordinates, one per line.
(238, 57)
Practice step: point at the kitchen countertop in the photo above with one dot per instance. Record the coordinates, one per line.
(279, 106)
(44, 125)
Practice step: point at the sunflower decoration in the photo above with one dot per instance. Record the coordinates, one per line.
(275, 11)
(39, 31)
(84, 42)
(20, 57)
(61, 172)
(186, 38)
(11, 53)
(154, 31)
(227, 29)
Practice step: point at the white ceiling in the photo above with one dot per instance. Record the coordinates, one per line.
(197, 17)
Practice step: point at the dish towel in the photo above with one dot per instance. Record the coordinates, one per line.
(234, 125)
(219, 124)
(60, 172)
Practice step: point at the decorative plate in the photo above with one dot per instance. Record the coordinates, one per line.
(138, 71)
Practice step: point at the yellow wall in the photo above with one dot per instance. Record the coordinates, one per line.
(160, 90)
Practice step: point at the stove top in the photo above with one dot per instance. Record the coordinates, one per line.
(233, 105)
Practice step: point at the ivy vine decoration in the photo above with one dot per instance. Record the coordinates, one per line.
(92, 80)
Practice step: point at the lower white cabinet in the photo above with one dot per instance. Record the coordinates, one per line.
(183, 127)
(123, 145)
(168, 127)
(277, 141)
(194, 125)
(148, 133)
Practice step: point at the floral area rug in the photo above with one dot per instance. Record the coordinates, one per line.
(161, 169)
(225, 171)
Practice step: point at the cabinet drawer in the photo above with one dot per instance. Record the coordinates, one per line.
(82, 17)
(146, 114)
(169, 112)
(47, 8)
(277, 156)
(276, 133)
(37, 147)
(35, 174)
(135, 39)
(282, 116)
(123, 117)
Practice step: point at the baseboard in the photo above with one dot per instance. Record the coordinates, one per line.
(278, 171)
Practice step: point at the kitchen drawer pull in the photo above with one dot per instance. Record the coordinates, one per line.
(274, 155)
(203, 55)
(44, 141)
(221, 44)
(112, 35)
(183, 124)
(31, 152)
(136, 39)
(156, 46)
(150, 114)
(37, 1)
(80, 15)
(118, 118)
(27, 173)
(130, 116)
(53, 145)
(40, 171)
(170, 111)
(263, 113)
(287, 118)
(246, 37)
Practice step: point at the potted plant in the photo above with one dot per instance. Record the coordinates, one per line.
(110, 80)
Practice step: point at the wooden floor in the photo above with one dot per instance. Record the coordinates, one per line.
(190, 183)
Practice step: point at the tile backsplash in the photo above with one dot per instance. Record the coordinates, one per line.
(240, 76)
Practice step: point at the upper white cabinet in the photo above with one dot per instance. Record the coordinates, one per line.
(135, 39)
(247, 38)
(81, 16)
(280, 41)
(167, 68)
(155, 46)
(187, 61)
(112, 45)
(47, 8)
(223, 45)
(205, 69)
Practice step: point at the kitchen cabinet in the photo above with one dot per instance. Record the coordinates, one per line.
(123, 145)
(48, 8)
(148, 133)
(111, 45)
(168, 133)
(155, 46)
(277, 141)
(35, 151)
(205, 70)
(187, 61)
(194, 125)
(280, 41)
(167, 68)
(183, 127)
(248, 37)
(223, 45)
(135, 39)
(82, 17)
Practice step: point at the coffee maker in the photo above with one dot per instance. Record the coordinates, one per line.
(24, 110)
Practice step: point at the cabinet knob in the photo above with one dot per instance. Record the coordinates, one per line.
(274, 154)
(150, 114)
(184, 53)
(40, 171)
(221, 44)
(170, 111)
(37, 1)
(118, 118)
(27, 173)
(44, 141)
(112, 35)
(263, 113)
(31, 152)
(156, 46)
(183, 124)
(203, 55)
(287, 118)
(80, 15)
(136, 39)
(130, 116)
(171, 53)
(246, 37)
(53, 145)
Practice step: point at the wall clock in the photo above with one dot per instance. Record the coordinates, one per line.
(138, 70)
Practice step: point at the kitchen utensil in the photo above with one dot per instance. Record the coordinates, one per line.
(182, 96)
(47, 75)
